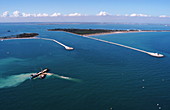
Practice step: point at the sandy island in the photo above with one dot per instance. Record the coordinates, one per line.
(94, 32)
(20, 36)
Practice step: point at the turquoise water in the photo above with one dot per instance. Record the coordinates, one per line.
(94, 76)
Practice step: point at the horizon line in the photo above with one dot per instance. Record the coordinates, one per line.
(101, 13)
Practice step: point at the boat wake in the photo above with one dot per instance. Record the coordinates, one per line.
(64, 77)
(14, 80)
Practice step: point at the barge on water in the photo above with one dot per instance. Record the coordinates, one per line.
(41, 75)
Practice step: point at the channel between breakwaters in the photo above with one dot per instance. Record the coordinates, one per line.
(91, 32)
(71, 48)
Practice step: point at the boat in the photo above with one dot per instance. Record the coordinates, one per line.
(40, 75)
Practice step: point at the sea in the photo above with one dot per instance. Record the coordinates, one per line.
(93, 76)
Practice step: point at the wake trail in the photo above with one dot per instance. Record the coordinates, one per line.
(64, 77)
(14, 80)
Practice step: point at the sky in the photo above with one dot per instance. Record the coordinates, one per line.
(87, 7)
(90, 7)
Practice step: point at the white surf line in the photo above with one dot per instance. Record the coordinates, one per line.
(149, 53)
(66, 47)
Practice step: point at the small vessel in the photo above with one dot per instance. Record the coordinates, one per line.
(42, 74)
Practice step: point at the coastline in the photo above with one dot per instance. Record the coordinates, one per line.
(20, 36)
(106, 33)
(95, 32)
(118, 32)
(1, 39)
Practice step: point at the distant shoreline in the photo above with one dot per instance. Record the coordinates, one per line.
(20, 36)
(112, 33)
(94, 32)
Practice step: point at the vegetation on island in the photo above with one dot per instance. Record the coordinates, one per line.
(89, 31)
(101, 31)
(24, 35)
(84, 31)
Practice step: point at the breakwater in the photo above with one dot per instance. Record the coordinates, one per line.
(143, 51)
(66, 47)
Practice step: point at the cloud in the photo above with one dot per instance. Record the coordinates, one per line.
(74, 14)
(56, 14)
(5, 14)
(16, 14)
(103, 13)
(42, 15)
(28, 15)
(34, 15)
(140, 15)
(164, 16)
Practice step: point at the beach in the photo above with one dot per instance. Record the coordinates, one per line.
(113, 33)
(95, 32)
(2, 39)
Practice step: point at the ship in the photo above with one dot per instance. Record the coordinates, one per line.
(41, 75)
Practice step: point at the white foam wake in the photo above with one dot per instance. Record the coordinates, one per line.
(14, 80)
(66, 78)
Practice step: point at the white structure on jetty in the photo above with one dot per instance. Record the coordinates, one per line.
(149, 53)
(155, 54)
(66, 47)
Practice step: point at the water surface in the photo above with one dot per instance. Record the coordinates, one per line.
(104, 76)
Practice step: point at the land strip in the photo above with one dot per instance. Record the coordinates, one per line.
(92, 32)
(20, 36)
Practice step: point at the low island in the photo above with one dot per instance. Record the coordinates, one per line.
(91, 32)
(20, 36)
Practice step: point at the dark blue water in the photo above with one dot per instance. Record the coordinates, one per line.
(99, 76)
